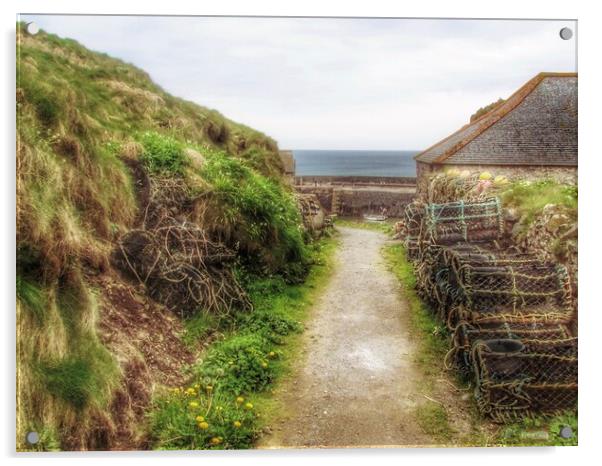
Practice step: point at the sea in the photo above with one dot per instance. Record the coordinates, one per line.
(355, 162)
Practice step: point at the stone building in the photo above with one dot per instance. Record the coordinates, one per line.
(288, 162)
(532, 134)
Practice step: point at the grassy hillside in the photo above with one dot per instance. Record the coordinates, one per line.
(117, 181)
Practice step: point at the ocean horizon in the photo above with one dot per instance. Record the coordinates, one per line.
(355, 162)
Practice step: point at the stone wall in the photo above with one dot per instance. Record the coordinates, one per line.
(356, 202)
(319, 180)
(513, 172)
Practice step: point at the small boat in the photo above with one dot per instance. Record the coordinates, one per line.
(375, 218)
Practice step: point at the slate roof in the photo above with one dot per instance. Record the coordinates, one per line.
(537, 125)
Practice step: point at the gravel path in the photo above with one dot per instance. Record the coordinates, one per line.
(356, 384)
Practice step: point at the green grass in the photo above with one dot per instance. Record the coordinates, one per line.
(383, 227)
(540, 431)
(530, 197)
(259, 349)
(163, 154)
(198, 326)
(33, 298)
(433, 420)
(241, 363)
(256, 214)
(70, 379)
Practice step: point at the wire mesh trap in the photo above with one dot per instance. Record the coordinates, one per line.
(411, 228)
(491, 289)
(412, 219)
(412, 247)
(463, 221)
(182, 269)
(508, 310)
(175, 259)
(516, 379)
(473, 282)
(465, 335)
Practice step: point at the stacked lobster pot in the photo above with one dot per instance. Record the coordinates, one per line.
(412, 225)
(507, 311)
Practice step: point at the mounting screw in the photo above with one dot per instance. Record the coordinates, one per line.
(566, 33)
(32, 438)
(32, 28)
(566, 432)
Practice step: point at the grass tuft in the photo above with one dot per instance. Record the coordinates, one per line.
(198, 326)
(70, 379)
(541, 431)
(33, 298)
(255, 214)
(530, 197)
(434, 421)
(163, 154)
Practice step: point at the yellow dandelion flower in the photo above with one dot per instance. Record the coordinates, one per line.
(237, 424)
(199, 419)
(203, 425)
(249, 406)
(272, 354)
(264, 364)
(216, 440)
(193, 405)
(239, 399)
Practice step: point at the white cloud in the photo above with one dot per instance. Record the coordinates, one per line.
(332, 83)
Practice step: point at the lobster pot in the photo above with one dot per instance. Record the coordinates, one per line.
(412, 219)
(527, 316)
(412, 246)
(559, 347)
(446, 293)
(427, 270)
(465, 255)
(512, 384)
(434, 275)
(494, 289)
(465, 335)
(462, 221)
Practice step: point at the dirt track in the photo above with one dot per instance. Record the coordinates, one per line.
(356, 384)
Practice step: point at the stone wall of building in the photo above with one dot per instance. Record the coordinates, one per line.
(514, 172)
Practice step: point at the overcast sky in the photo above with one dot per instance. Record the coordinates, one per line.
(325, 83)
